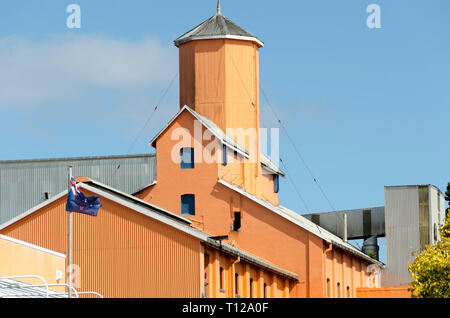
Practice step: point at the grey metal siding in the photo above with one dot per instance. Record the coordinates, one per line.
(402, 233)
(24, 184)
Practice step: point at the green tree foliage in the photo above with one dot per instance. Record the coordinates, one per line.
(431, 268)
(447, 198)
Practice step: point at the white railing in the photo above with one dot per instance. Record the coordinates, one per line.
(43, 288)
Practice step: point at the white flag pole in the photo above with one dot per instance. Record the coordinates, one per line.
(70, 239)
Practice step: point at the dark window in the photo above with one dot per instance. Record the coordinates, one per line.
(237, 221)
(187, 158)
(224, 155)
(328, 288)
(251, 287)
(221, 279)
(276, 183)
(236, 283)
(265, 293)
(188, 204)
(206, 281)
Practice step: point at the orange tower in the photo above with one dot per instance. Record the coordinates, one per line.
(219, 79)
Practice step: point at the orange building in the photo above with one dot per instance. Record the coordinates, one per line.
(31, 264)
(211, 225)
(135, 249)
(236, 194)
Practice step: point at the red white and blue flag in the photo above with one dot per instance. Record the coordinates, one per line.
(78, 202)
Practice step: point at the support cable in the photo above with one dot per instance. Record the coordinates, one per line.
(302, 159)
(149, 118)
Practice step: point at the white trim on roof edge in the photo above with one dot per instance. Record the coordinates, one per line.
(266, 163)
(33, 209)
(303, 223)
(175, 223)
(35, 247)
(134, 198)
(213, 37)
(230, 144)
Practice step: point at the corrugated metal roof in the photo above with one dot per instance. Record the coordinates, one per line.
(161, 215)
(217, 27)
(304, 223)
(26, 183)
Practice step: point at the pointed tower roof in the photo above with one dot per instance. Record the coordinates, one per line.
(218, 27)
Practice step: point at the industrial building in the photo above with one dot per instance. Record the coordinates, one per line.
(176, 225)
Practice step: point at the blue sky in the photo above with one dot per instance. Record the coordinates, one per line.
(366, 107)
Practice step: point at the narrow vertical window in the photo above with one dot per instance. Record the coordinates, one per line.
(224, 155)
(221, 279)
(251, 287)
(237, 221)
(328, 288)
(338, 290)
(276, 183)
(265, 291)
(187, 158)
(187, 204)
(236, 284)
(206, 281)
(348, 291)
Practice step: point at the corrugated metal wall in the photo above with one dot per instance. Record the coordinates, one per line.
(402, 233)
(23, 184)
(121, 253)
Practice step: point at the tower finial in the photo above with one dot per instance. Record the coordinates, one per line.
(218, 7)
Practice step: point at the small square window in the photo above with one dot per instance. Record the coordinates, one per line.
(187, 204)
(187, 158)
(236, 222)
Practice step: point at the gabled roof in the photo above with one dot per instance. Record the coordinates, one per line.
(222, 137)
(218, 27)
(303, 223)
(160, 215)
(213, 128)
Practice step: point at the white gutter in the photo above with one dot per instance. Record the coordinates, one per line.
(35, 247)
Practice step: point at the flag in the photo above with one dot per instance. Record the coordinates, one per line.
(78, 202)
